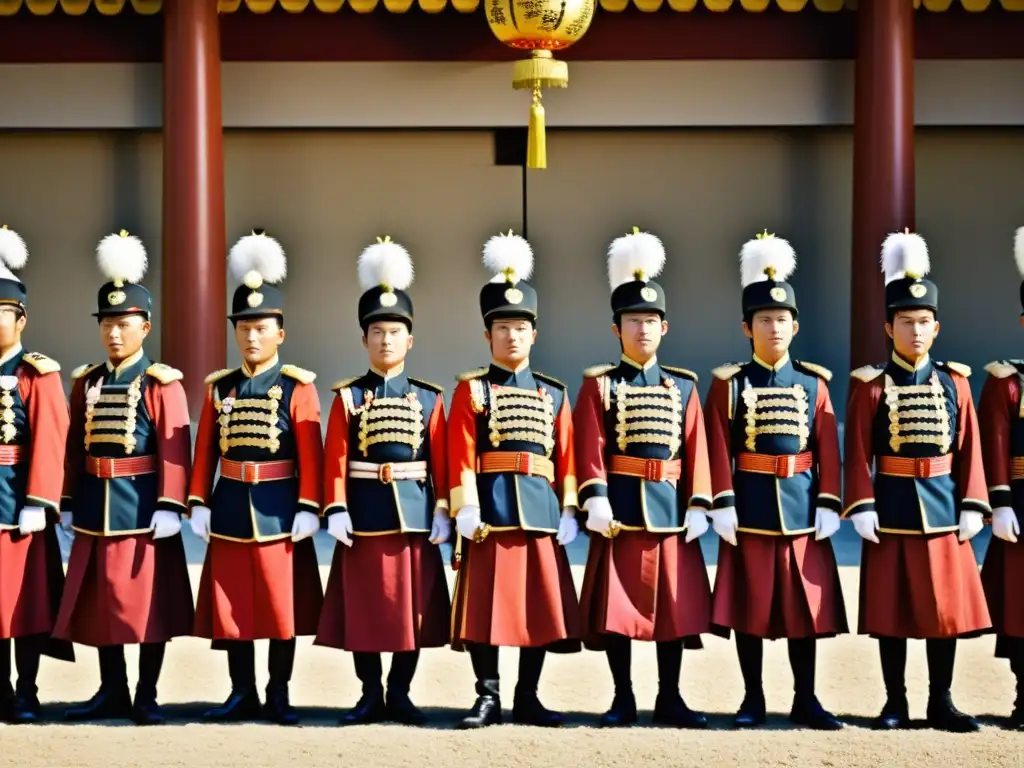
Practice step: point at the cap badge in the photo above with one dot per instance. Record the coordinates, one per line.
(648, 294)
(255, 299)
(388, 299)
(778, 294)
(918, 290)
(116, 297)
(514, 296)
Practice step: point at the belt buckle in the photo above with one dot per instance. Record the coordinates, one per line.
(251, 472)
(524, 463)
(654, 470)
(105, 467)
(922, 468)
(386, 473)
(785, 466)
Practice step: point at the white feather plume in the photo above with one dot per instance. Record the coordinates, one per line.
(122, 257)
(904, 253)
(385, 263)
(636, 256)
(259, 254)
(508, 255)
(1018, 250)
(763, 254)
(13, 253)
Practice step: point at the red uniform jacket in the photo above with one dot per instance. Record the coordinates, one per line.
(1002, 432)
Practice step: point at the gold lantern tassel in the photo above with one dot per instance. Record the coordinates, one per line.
(541, 70)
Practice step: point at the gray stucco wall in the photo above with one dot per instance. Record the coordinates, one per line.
(326, 194)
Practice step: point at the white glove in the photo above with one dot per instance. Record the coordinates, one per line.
(304, 525)
(696, 523)
(725, 523)
(568, 528)
(441, 528)
(67, 519)
(165, 524)
(971, 524)
(200, 522)
(32, 520)
(339, 525)
(1005, 524)
(467, 522)
(599, 514)
(826, 523)
(866, 525)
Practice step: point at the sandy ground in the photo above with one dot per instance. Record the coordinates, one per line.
(580, 685)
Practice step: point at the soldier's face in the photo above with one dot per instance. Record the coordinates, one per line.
(388, 342)
(913, 332)
(640, 334)
(123, 335)
(258, 339)
(12, 323)
(772, 331)
(511, 341)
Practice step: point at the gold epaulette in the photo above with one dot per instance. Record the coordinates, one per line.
(344, 383)
(963, 370)
(82, 370)
(685, 373)
(423, 384)
(1002, 369)
(216, 376)
(818, 370)
(727, 371)
(867, 373)
(596, 371)
(301, 375)
(476, 373)
(164, 373)
(41, 362)
(550, 380)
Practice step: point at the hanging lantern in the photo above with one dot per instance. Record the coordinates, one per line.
(540, 27)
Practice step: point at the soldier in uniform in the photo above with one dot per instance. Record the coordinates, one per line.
(645, 488)
(776, 473)
(33, 431)
(125, 484)
(914, 418)
(386, 501)
(261, 423)
(1001, 414)
(512, 474)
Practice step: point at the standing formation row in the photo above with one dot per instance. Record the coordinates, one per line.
(638, 463)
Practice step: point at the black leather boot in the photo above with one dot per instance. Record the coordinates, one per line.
(941, 712)
(895, 714)
(281, 661)
(1016, 721)
(400, 708)
(669, 707)
(370, 707)
(244, 702)
(807, 710)
(752, 711)
(113, 701)
(526, 707)
(487, 708)
(145, 710)
(618, 650)
(25, 706)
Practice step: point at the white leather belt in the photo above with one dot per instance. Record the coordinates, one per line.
(387, 473)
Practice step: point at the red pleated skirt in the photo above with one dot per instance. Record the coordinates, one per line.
(123, 590)
(921, 587)
(778, 587)
(1002, 577)
(385, 594)
(28, 582)
(515, 589)
(645, 586)
(254, 591)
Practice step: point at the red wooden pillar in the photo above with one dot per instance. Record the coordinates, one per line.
(883, 161)
(193, 303)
